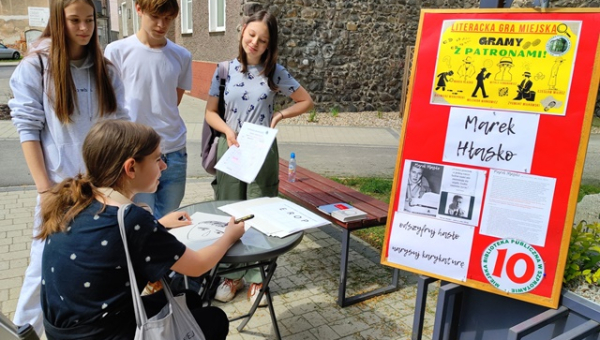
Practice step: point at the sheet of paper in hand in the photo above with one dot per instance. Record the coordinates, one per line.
(245, 162)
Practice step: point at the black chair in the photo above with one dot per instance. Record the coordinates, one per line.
(9, 331)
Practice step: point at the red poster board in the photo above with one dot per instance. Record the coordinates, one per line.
(486, 183)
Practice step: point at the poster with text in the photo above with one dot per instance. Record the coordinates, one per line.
(494, 137)
(510, 65)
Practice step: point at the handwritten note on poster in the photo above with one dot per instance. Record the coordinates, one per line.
(431, 245)
(491, 139)
(520, 65)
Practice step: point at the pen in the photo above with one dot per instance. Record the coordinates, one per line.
(243, 218)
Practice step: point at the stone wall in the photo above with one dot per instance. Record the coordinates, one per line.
(351, 54)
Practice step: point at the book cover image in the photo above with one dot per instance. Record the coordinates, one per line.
(329, 208)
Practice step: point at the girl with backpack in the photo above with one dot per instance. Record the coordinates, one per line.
(254, 79)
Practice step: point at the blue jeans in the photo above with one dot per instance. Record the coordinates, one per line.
(171, 188)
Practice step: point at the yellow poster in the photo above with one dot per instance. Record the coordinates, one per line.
(506, 65)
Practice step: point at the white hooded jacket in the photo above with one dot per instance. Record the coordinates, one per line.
(33, 113)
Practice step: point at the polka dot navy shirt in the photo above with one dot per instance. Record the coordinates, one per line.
(84, 270)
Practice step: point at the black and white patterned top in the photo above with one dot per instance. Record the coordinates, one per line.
(248, 97)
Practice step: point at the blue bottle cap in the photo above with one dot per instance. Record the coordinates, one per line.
(293, 155)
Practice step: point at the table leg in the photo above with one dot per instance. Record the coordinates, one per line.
(210, 281)
(271, 265)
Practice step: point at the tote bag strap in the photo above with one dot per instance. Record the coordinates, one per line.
(138, 307)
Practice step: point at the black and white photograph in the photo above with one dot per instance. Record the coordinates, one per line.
(422, 187)
(456, 205)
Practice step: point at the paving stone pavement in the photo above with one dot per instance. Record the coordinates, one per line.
(304, 286)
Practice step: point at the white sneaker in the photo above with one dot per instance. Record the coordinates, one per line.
(228, 288)
(253, 293)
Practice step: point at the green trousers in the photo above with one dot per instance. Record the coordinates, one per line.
(266, 184)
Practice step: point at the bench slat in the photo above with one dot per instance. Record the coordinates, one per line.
(312, 190)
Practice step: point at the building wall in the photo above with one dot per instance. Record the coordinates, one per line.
(350, 54)
(212, 46)
(208, 48)
(14, 21)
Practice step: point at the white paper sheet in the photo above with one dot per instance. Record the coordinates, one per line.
(275, 216)
(245, 162)
(518, 206)
(431, 245)
(204, 230)
(491, 139)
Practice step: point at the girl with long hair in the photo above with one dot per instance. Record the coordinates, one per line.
(85, 282)
(254, 79)
(60, 90)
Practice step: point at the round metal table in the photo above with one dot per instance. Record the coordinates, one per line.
(253, 250)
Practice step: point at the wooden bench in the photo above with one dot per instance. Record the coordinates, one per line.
(312, 190)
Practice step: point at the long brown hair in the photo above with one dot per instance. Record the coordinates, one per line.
(106, 148)
(269, 57)
(65, 94)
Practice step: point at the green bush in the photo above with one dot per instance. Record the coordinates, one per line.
(583, 260)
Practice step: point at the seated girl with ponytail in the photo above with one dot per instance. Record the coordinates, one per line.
(85, 282)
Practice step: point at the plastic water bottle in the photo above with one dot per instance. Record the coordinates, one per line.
(292, 168)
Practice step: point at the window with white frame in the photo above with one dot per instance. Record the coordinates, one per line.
(216, 15)
(124, 27)
(186, 16)
(136, 17)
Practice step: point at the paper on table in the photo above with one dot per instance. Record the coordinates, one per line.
(245, 162)
(205, 228)
(275, 216)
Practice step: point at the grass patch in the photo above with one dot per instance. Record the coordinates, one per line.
(381, 189)
(335, 111)
(378, 188)
(9, 60)
(312, 116)
(587, 189)
(596, 121)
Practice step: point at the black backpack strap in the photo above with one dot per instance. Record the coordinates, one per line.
(223, 73)
(41, 68)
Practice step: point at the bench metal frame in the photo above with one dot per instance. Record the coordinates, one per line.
(344, 300)
(310, 191)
